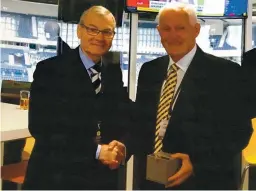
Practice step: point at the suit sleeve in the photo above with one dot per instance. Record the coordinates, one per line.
(134, 140)
(49, 119)
(123, 108)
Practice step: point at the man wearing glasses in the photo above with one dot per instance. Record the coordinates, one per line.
(75, 106)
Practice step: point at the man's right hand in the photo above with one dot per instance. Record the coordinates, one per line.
(110, 157)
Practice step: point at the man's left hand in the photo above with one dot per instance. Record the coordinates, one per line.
(184, 173)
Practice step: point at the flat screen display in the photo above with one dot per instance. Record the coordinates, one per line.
(71, 10)
(222, 8)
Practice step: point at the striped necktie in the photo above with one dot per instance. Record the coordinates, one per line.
(96, 77)
(164, 103)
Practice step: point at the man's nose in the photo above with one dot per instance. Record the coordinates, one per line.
(100, 35)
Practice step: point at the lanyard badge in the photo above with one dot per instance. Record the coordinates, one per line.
(163, 126)
(98, 133)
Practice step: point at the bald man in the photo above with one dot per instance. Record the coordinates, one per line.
(196, 99)
(76, 99)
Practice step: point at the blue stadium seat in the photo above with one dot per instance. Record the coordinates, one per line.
(12, 72)
(45, 55)
(5, 52)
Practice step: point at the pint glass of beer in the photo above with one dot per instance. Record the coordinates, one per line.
(24, 99)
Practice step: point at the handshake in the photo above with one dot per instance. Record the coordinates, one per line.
(112, 154)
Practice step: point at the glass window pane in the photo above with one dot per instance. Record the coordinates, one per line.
(20, 55)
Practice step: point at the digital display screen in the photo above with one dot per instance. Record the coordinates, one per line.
(223, 8)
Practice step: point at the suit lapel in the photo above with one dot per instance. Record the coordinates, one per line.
(193, 77)
(160, 73)
(162, 69)
(103, 76)
(190, 81)
(80, 72)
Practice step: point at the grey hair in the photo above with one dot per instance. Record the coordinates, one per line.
(99, 10)
(177, 6)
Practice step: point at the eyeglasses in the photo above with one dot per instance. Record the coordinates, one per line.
(94, 31)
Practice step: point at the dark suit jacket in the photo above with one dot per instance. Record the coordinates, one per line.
(63, 116)
(208, 121)
(249, 70)
(62, 46)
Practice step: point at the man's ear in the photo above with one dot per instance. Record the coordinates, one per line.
(157, 27)
(197, 27)
(79, 31)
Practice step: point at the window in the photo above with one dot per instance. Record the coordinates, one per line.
(9, 25)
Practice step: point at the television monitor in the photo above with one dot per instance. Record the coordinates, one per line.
(71, 10)
(204, 8)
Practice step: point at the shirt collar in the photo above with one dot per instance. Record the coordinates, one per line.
(184, 62)
(87, 62)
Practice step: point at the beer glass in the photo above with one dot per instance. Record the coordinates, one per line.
(24, 99)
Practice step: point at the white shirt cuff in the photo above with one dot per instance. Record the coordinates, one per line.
(98, 152)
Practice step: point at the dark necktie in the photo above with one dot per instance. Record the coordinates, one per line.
(96, 77)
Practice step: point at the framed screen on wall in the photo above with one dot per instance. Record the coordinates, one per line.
(71, 10)
(205, 8)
